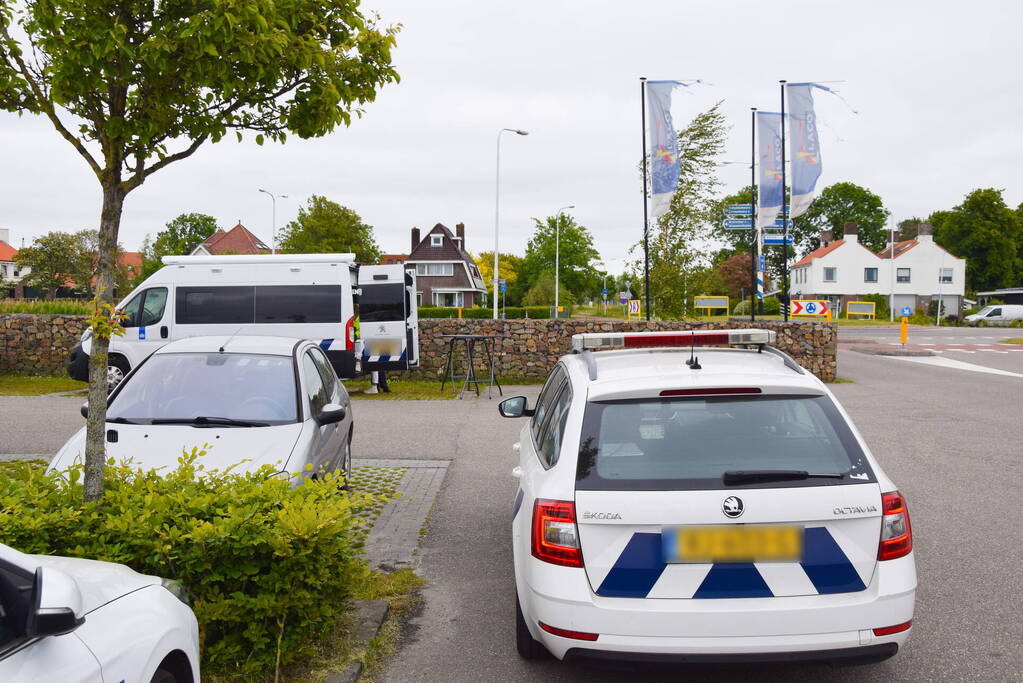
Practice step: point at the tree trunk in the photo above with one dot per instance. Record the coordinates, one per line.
(95, 428)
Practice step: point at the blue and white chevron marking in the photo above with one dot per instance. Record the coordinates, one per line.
(384, 359)
(641, 572)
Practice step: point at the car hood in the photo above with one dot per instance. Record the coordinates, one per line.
(152, 446)
(98, 582)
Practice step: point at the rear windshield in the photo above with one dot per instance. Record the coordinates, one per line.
(666, 444)
(382, 303)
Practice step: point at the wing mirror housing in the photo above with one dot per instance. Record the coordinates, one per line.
(84, 410)
(57, 604)
(331, 413)
(516, 406)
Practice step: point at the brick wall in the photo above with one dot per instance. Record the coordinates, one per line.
(529, 348)
(32, 344)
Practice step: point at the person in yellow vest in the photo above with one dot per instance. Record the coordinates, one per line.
(376, 379)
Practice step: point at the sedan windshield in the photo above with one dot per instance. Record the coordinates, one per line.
(180, 388)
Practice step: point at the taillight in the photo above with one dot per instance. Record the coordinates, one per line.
(565, 633)
(889, 630)
(896, 534)
(555, 537)
(350, 334)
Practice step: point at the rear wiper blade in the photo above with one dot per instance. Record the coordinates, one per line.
(734, 477)
(205, 420)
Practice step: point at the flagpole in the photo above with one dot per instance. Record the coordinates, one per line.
(754, 230)
(784, 212)
(646, 220)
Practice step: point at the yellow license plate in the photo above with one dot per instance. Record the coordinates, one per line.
(731, 543)
(384, 347)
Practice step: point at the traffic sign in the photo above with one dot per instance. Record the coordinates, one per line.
(503, 286)
(604, 292)
(623, 300)
(906, 311)
(777, 239)
(739, 210)
(780, 223)
(815, 307)
(634, 306)
(763, 263)
(738, 223)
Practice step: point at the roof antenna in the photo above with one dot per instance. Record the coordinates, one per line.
(224, 345)
(693, 362)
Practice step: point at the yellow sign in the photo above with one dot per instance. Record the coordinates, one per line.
(735, 543)
(711, 302)
(633, 307)
(866, 308)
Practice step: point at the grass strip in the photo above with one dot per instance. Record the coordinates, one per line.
(22, 385)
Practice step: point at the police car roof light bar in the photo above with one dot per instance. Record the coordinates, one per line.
(639, 340)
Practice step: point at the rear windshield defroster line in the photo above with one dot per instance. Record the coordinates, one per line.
(664, 444)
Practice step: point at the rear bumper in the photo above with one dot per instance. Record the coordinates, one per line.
(869, 654)
(78, 363)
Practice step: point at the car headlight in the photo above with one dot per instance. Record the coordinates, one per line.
(178, 590)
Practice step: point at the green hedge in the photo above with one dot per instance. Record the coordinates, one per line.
(511, 312)
(269, 566)
(53, 306)
(771, 307)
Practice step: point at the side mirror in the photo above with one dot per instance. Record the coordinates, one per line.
(58, 604)
(84, 410)
(331, 413)
(516, 406)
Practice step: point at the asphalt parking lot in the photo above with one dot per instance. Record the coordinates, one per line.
(949, 436)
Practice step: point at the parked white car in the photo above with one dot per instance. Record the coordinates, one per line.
(67, 620)
(255, 400)
(996, 315)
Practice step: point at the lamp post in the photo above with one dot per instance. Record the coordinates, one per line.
(557, 255)
(273, 201)
(497, 205)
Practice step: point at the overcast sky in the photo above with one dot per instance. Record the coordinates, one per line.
(936, 85)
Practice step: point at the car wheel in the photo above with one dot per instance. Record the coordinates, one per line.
(528, 647)
(163, 676)
(346, 463)
(117, 368)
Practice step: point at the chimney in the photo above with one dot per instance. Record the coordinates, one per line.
(827, 237)
(851, 231)
(415, 239)
(460, 233)
(925, 233)
(5, 235)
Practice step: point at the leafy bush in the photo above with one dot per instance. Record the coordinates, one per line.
(269, 565)
(880, 305)
(772, 306)
(511, 312)
(53, 306)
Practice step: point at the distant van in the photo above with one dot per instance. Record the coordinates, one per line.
(998, 315)
(307, 296)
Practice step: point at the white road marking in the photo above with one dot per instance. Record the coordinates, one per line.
(955, 365)
(925, 344)
(962, 350)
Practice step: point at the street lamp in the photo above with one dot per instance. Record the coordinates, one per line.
(497, 205)
(557, 254)
(273, 200)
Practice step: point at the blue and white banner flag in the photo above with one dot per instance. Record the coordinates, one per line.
(770, 193)
(805, 153)
(664, 165)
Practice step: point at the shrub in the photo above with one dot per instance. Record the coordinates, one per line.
(269, 565)
(772, 306)
(510, 313)
(53, 306)
(880, 305)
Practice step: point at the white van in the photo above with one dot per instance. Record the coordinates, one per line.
(307, 296)
(998, 315)
(388, 318)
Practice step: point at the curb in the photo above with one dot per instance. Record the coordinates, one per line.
(881, 351)
(369, 617)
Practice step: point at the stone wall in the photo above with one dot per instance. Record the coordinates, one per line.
(529, 348)
(33, 344)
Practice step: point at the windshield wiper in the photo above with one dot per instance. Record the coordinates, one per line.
(203, 420)
(734, 477)
(123, 421)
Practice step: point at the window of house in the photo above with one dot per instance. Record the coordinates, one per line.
(870, 274)
(3, 271)
(830, 274)
(436, 240)
(419, 299)
(435, 269)
(449, 299)
(902, 274)
(945, 275)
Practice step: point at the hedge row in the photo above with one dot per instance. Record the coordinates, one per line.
(511, 312)
(270, 566)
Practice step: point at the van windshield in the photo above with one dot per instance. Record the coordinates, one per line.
(679, 444)
(184, 386)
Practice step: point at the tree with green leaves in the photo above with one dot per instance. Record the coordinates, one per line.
(53, 260)
(508, 270)
(326, 227)
(835, 206)
(134, 87)
(179, 237)
(576, 255)
(988, 234)
(680, 267)
(542, 293)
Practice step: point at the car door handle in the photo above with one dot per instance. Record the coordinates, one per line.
(517, 472)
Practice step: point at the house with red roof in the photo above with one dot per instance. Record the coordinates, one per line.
(237, 240)
(446, 275)
(10, 271)
(844, 270)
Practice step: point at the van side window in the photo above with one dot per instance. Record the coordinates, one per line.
(153, 306)
(298, 304)
(214, 305)
(994, 313)
(131, 310)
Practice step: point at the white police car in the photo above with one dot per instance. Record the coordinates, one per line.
(703, 505)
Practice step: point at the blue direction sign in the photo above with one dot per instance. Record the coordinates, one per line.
(604, 292)
(763, 263)
(502, 284)
(779, 223)
(740, 210)
(777, 239)
(906, 311)
(738, 223)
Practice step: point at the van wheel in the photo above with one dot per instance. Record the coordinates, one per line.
(117, 368)
(527, 646)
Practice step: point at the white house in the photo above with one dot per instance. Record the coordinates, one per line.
(844, 270)
(10, 271)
